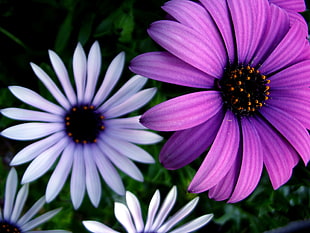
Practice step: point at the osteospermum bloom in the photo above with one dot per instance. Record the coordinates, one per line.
(11, 220)
(253, 70)
(84, 130)
(130, 216)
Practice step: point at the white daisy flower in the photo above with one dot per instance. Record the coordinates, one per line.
(11, 220)
(83, 132)
(130, 216)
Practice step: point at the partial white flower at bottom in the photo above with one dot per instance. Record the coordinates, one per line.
(130, 216)
(10, 219)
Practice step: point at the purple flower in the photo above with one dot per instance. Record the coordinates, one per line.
(130, 216)
(84, 130)
(253, 109)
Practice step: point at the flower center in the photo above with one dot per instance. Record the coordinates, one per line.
(6, 227)
(244, 89)
(84, 124)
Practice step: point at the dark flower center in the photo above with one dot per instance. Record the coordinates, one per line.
(84, 124)
(6, 227)
(244, 89)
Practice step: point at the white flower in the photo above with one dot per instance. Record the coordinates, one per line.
(130, 216)
(10, 219)
(83, 132)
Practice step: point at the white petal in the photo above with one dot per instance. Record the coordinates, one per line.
(108, 172)
(131, 104)
(165, 208)
(20, 202)
(127, 123)
(79, 70)
(10, 192)
(131, 87)
(194, 224)
(122, 162)
(63, 76)
(111, 77)
(97, 227)
(130, 150)
(34, 99)
(50, 85)
(135, 210)
(39, 220)
(60, 173)
(43, 162)
(123, 216)
(31, 131)
(77, 184)
(34, 149)
(32, 211)
(177, 217)
(135, 136)
(30, 115)
(153, 207)
(93, 70)
(93, 184)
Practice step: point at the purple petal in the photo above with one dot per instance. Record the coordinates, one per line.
(290, 128)
(164, 67)
(185, 146)
(183, 112)
(300, 93)
(190, 46)
(220, 158)
(293, 5)
(298, 108)
(249, 20)
(195, 16)
(293, 77)
(222, 18)
(279, 156)
(291, 45)
(251, 164)
(278, 25)
(226, 186)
